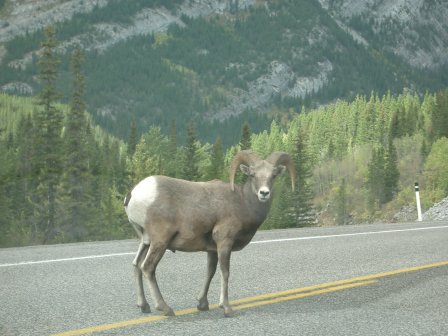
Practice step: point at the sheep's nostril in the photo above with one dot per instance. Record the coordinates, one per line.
(264, 193)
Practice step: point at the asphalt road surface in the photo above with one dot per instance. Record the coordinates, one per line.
(388, 279)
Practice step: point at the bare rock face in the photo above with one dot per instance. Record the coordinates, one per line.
(277, 81)
(28, 15)
(420, 27)
(17, 87)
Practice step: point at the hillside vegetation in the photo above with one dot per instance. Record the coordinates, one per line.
(182, 100)
(220, 63)
(357, 162)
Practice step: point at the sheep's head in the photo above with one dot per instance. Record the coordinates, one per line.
(262, 172)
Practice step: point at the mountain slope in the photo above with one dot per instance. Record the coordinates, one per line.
(415, 30)
(219, 62)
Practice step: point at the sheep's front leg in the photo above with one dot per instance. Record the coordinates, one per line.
(149, 265)
(212, 262)
(141, 300)
(224, 251)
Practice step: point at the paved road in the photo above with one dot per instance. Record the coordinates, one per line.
(388, 279)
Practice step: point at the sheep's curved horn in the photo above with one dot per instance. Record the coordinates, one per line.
(245, 156)
(282, 158)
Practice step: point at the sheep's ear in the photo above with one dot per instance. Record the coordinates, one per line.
(246, 170)
(280, 169)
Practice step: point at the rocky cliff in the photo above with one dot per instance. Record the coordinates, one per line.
(415, 30)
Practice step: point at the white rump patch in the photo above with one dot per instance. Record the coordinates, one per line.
(142, 196)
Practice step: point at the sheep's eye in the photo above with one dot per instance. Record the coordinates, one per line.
(278, 170)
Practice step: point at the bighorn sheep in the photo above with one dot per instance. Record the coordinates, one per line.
(214, 217)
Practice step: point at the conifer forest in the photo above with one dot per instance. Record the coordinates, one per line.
(63, 178)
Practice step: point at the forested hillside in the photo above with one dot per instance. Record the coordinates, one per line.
(183, 100)
(357, 162)
(220, 63)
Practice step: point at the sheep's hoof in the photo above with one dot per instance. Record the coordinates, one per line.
(228, 311)
(145, 309)
(169, 312)
(203, 305)
(166, 310)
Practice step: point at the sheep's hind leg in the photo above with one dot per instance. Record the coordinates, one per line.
(212, 262)
(141, 299)
(149, 265)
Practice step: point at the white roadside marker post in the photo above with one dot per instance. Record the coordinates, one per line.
(417, 197)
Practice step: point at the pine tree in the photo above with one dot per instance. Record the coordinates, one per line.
(391, 173)
(190, 169)
(132, 140)
(436, 169)
(7, 203)
(245, 142)
(142, 163)
(304, 192)
(110, 191)
(172, 164)
(26, 166)
(375, 179)
(341, 204)
(297, 209)
(440, 115)
(217, 160)
(49, 141)
(77, 179)
(394, 128)
(382, 176)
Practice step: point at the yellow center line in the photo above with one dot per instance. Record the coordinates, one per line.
(303, 295)
(110, 326)
(264, 299)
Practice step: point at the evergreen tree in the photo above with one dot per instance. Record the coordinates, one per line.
(49, 141)
(77, 179)
(217, 160)
(341, 204)
(172, 164)
(144, 162)
(132, 140)
(394, 128)
(436, 169)
(26, 166)
(150, 156)
(440, 116)
(303, 194)
(382, 176)
(375, 179)
(391, 173)
(425, 148)
(245, 142)
(26, 157)
(297, 209)
(7, 203)
(190, 169)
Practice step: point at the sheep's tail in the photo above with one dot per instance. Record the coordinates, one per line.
(127, 199)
